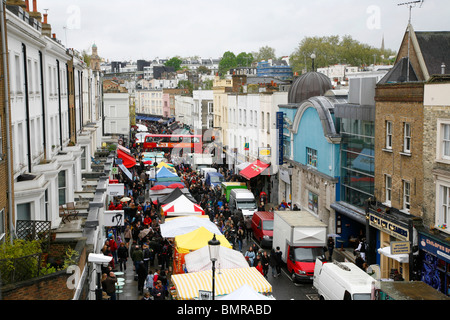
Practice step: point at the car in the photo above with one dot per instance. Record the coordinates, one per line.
(262, 226)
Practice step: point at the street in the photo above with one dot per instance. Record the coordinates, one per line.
(283, 287)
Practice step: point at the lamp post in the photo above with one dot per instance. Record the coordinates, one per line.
(214, 246)
(313, 57)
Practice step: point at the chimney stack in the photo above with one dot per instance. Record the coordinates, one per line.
(35, 13)
(46, 28)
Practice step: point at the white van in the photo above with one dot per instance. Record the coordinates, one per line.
(242, 200)
(342, 281)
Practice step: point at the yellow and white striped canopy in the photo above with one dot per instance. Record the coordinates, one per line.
(227, 280)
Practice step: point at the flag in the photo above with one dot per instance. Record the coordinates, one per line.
(247, 146)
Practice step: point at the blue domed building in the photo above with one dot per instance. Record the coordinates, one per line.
(309, 176)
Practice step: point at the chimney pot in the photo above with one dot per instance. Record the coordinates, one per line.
(443, 68)
(54, 36)
(45, 17)
(27, 5)
(34, 5)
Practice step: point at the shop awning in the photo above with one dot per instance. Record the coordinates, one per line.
(402, 258)
(254, 169)
(226, 281)
(127, 160)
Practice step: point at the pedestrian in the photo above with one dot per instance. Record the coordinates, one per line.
(361, 249)
(278, 259)
(330, 246)
(146, 256)
(248, 228)
(273, 262)
(240, 237)
(250, 256)
(259, 267)
(109, 285)
(127, 234)
(137, 257)
(142, 275)
(146, 296)
(148, 285)
(122, 254)
(158, 291)
(265, 259)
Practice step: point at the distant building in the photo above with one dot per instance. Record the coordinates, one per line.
(274, 68)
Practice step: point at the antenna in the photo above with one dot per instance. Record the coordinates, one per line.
(410, 5)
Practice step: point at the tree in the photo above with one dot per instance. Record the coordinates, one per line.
(203, 70)
(175, 62)
(335, 50)
(265, 53)
(227, 62)
(244, 59)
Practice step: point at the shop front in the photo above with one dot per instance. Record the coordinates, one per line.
(435, 258)
(396, 242)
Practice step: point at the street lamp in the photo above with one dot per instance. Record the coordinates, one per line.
(214, 246)
(313, 57)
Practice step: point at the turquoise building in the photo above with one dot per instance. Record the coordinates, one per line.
(311, 146)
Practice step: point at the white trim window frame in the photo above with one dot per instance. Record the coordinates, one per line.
(407, 137)
(406, 196)
(443, 140)
(442, 214)
(388, 189)
(389, 127)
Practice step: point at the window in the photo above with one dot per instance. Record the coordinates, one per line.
(83, 158)
(388, 187)
(313, 202)
(406, 195)
(311, 155)
(407, 138)
(445, 132)
(443, 216)
(62, 187)
(388, 134)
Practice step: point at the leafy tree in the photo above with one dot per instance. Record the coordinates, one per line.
(203, 70)
(334, 50)
(244, 59)
(227, 62)
(175, 62)
(186, 84)
(265, 53)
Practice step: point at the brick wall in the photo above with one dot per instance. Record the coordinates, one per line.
(400, 103)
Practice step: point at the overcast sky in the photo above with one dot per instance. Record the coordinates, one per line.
(145, 29)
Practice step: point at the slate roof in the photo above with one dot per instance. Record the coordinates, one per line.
(398, 73)
(435, 48)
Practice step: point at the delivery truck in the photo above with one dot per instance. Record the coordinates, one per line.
(301, 238)
(242, 201)
(228, 186)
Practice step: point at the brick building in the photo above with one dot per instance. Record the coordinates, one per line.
(401, 142)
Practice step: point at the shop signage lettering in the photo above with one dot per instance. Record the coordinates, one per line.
(439, 250)
(400, 247)
(389, 227)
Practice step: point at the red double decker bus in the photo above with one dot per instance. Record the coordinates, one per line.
(168, 142)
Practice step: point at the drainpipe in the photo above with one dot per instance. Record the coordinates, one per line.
(43, 105)
(7, 118)
(27, 104)
(59, 106)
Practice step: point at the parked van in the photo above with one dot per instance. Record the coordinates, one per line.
(242, 200)
(342, 281)
(214, 178)
(262, 226)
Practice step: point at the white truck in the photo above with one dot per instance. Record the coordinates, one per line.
(242, 200)
(342, 281)
(199, 160)
(301, 238)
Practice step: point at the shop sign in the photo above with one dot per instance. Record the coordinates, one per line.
(116, 189)
(280, 123)
(435, 248)
(389, 227)
(400, 247)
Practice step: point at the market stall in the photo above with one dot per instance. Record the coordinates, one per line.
(183, 225)
(188, 285)
(245, 292)
(181, 206)
(192, 241)
(199, 260)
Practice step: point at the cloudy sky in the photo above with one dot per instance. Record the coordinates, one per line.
(145, 29)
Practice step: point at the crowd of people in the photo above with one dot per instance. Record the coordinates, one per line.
(140, 240)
